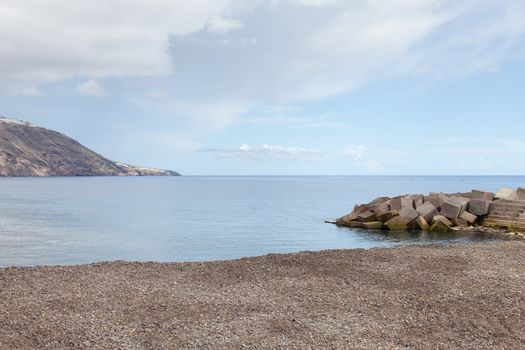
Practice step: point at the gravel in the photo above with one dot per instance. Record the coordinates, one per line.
(415, 297)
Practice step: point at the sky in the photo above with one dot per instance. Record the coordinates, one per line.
(275, 87)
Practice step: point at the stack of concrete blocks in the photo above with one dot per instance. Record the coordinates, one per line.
(434, 212)
(511, 195)
(508, 210)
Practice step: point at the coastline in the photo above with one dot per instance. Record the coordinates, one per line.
(418, 296)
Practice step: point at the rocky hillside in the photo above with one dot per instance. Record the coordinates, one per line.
(29, 150)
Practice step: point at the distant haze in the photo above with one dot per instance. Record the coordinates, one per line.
(274, 86)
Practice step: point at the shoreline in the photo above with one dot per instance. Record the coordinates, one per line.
(500, 236)
(416, 296)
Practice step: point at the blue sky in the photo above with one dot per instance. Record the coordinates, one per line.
(275, 86)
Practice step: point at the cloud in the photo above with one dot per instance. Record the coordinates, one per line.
(336, 52)
(367, 40)
(53, 40)
(316, 3)
(355, 152)
(30, 91)
(345, 47)
(91, 87)
(155, 94)
(195, 117)
(259, 59)
(267, 152)
(223, 25)
(291, 116)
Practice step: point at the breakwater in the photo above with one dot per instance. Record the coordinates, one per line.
(441, 212)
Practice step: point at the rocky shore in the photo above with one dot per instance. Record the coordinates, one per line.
(442, 212)
(418, 297)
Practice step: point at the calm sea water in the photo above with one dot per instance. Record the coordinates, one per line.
(81, 220)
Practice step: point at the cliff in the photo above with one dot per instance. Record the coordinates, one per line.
(29, 150)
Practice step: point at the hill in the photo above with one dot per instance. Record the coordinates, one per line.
(29, 150)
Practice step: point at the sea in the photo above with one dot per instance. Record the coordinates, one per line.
(76, 220)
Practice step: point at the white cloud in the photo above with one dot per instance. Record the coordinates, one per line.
(342, 48)
(291, 117)
(91, 87)
(223, 25)
(267, 152)
(261, 57)
(355, 152)
(30, 91)
(195, 118)
(155, 94)
(316, 3)
(50, 40)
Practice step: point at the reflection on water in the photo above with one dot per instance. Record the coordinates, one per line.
(414, 237)
(79, 220)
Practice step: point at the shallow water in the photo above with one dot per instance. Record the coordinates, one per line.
(81, 220)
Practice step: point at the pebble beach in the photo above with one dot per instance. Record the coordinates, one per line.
(413, 297)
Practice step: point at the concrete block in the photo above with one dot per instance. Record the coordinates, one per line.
(358, 209)
(521, 216)
(367, 216)
(516, 195)
(441, 197)
(384, 217)
(398, 223)
(460, 194)
(465, 202)
(476, 194)
(346, 218)
(374, 225)
(434, 200)
(453, 207)
(395, 203)
(344, 221)
(427, 211)
(441, 218)
(378, 201)
(408, 213)
(505, 193)
(441, 224)
(381, 208)
(479, 207)
(407, 202)
(418, 200)
(469, 217)
(355, 224)
(520, 194)
(460, 222)
(422, 223)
